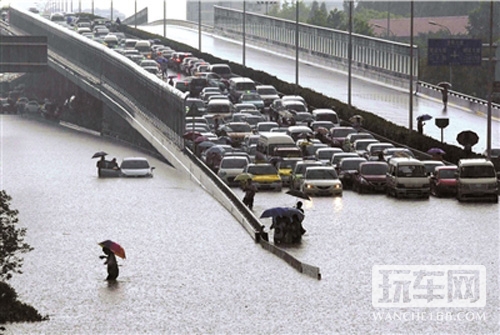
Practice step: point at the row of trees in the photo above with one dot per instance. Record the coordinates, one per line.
(469, 80)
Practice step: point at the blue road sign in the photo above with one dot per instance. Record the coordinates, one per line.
(454, 51)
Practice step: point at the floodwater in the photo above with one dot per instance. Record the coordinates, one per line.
(190, 267)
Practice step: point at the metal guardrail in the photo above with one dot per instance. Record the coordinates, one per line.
(475, 104)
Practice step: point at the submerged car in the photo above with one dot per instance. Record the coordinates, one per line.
(443, 181)
(136, 167)
(371, 177)
(265, 176)
(321, 180)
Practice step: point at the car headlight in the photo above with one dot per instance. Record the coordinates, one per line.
(309, 186)
(222, 173)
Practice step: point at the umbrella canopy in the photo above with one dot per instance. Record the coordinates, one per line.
(436, 151)
(282, 211)
(200, 139)
(243, 177)
(298, 194)
(424, 117)
(356, 118)
(99, 154)
(322, 130)
(191, 135)
(114, 247)
(206, 144)
(444, 84)
(224, 140)
(467, 137)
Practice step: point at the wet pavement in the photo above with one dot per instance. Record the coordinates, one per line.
(190, 267)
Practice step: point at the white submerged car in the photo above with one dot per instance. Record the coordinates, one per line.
(136, 167)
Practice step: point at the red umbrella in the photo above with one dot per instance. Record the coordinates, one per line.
(191, 135)
(200, 139)
(114, 247)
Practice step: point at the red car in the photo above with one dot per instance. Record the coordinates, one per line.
(443, 181)
(371, 177)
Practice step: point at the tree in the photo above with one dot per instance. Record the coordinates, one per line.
(11, 240)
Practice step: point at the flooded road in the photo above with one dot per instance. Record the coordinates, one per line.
(191, 268)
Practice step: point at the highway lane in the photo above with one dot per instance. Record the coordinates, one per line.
(387, 102)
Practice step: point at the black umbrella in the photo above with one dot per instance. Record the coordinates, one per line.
(298, 194)
(99, 154)
(467, 138)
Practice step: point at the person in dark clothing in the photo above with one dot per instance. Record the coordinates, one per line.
(420, 126)
(111, 263)
(444, 93)
(250, 191)
(298, 206)
(113, 164)
(101, 164)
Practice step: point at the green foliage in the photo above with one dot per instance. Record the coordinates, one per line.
(11, 240)
(12, 310)
(479, 21)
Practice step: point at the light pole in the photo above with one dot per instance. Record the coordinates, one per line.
(434, 23)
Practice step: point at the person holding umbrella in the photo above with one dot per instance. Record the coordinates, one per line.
(420, 126)
(111, 263)
(250, 190)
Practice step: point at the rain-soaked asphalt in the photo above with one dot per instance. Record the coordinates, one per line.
(190, 267)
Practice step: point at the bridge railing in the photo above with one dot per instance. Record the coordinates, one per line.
(375, 58)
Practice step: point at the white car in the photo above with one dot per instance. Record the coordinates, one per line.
(321, 180)
(230, 167)
(32, 107)
(136, 167)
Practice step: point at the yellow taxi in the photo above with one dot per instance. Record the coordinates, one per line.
(265, 176)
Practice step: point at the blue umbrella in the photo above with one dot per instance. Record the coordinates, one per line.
(282, 211)
(424, 117)
(436, 151)
(206, 144)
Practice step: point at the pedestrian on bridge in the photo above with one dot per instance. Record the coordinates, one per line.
(420, 126)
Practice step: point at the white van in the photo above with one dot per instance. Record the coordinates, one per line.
(240, 85)
(326, 114)
(269, 141)
(407, 177)
(476, 179)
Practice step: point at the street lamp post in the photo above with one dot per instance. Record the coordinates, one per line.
(434, 23)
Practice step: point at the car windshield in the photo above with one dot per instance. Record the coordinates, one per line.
(374, 169)
(250, 97)
(325, 154)
(342, 132)
(135, 164)
(362, 145)
(321, 174)
(430, 167)
(301, 168)
(350, 164)
(447, 173)
(336, 158)
(233, 163)
(239, 128)
(298, 107)
(262, 170)
(267, 91)
(302, 116)
(411, 171)
(287, 164)
(477, 172)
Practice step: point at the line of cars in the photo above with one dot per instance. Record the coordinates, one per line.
(229, 109)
